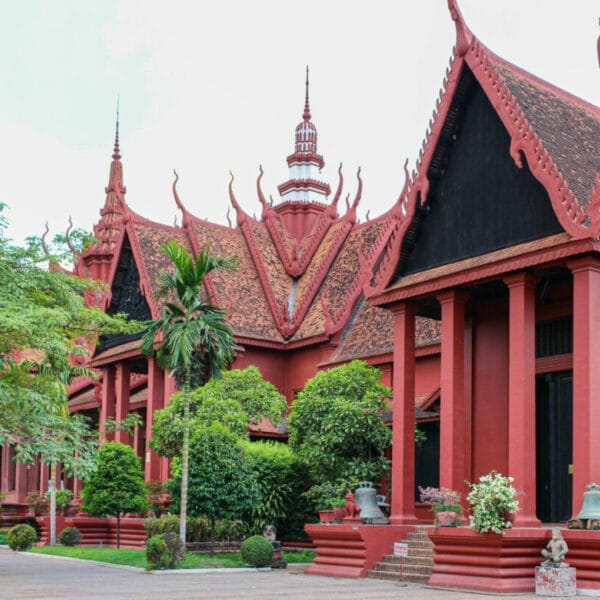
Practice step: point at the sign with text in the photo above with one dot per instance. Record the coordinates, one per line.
(400, 549)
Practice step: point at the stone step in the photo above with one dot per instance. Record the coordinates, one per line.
(389, 576)
(414, 568)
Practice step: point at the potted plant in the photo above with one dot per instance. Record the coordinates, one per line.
(36, 502)
(445, 504)
(326, 498)
(492, 502)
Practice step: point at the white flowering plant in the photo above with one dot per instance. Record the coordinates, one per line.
(491, 500)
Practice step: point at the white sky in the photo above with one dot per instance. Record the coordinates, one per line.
(206, 87)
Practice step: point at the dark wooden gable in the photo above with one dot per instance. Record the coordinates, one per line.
(479, 200)
(126, 297)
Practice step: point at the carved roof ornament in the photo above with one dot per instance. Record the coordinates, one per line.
(464, 37)
(240, 214)
(185, 215)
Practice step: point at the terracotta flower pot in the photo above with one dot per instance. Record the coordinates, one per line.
(446, 518)
(326, 516)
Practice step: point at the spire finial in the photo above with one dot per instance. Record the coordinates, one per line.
(306, 115)
(116, 154)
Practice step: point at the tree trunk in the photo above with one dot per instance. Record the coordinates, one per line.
(52, 490)
(185, 456)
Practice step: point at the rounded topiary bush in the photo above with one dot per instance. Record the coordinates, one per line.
(21, 537)
(257, 551)
(70, 536)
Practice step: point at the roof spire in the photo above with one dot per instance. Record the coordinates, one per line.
(115, 178)
(116, 155)
(306, 115)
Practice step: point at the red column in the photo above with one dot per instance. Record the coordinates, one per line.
(107, 409)
(455, 421)
(403, 424)
(122, 401)
(521, 394)
(156, 394)
(586, 375)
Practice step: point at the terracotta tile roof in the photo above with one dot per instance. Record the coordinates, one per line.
(279, 280)
(240, 290)
(567, 126)
(308, 276)
(338, 284)
(151, 239)
(370, 332)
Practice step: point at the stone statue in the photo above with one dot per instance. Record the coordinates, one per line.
(555, 551)
(352, 509)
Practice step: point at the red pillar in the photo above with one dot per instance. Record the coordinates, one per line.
(156, 395)
(403, 424)
(455, 421)
(107, 409)
(521, 394)
(586, 375)
(122, 401)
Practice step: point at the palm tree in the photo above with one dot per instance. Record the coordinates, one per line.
(197, 342)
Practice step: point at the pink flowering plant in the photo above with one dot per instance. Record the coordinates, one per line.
(441, 499)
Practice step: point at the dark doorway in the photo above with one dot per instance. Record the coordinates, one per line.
(427, 457)
(554, 438)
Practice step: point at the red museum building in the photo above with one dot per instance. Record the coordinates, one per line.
(476, 294)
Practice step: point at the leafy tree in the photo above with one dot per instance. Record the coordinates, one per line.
(336, 425)
(117, 486)
(46, 331)
(222, 484)
(196, 341)
(237, 399)
(283, 478)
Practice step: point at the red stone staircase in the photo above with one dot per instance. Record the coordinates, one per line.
(414, 568)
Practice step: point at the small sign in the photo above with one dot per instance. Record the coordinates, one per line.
(400, 549)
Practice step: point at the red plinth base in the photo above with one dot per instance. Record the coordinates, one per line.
(352, 550)
(467, 560)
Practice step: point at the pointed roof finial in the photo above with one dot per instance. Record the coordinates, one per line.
(306, 115)
(463, 33)
(116, 154)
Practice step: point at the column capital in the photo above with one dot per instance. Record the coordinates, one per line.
(456, 296)
(584, 263)
(522, 278)
(400, 308)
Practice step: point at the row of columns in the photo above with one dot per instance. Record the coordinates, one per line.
(455, 417)
(116, 388)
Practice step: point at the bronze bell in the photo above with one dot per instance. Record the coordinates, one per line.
(590, 510)
(365, 495)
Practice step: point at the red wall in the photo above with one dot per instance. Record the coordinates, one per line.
(490, 388)
(427, 375)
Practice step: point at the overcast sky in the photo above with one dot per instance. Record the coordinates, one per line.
(208, 87)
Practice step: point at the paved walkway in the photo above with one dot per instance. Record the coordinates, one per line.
(38, 577)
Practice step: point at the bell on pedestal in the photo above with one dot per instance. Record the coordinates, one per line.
(365, 495)
(590, 509)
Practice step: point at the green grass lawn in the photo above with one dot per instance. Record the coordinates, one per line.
(137, 558)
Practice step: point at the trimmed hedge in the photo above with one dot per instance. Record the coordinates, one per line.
(164, 551)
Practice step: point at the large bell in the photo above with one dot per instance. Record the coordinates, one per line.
(365, 495)
(590, 508)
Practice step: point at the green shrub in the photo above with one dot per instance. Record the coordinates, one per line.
(70, 536)
(21, 537)
(164, 551)
(257, 551)
(283, 478)
(158, 526)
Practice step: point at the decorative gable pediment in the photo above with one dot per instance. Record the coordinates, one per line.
(479, 200)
